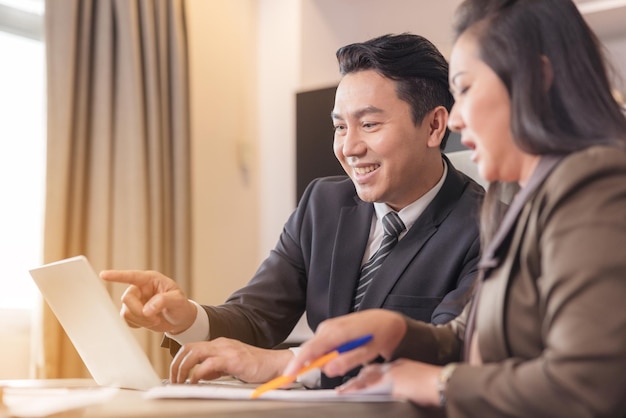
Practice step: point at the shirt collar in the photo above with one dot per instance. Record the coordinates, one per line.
(410, 213)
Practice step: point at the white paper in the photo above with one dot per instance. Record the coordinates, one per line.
(182, 391)
(41, 402)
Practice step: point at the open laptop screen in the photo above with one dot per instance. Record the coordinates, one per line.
(81, 303)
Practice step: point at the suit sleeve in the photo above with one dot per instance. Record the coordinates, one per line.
(434, 344)
(457, 298)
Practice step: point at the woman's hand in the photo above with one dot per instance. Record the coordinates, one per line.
(411, 380)
(387, 327)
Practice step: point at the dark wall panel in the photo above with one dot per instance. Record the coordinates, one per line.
(314, 137)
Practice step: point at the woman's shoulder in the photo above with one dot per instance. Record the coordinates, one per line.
(586, 182)
(599, 155)
(588, 165)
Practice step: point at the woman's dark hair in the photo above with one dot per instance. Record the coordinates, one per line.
(554, 69)
(412, 61)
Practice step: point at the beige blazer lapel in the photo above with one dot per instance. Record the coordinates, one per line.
(494, 253)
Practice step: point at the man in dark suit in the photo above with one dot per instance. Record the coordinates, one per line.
(390, 117)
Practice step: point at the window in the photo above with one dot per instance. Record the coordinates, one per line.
(22, 149)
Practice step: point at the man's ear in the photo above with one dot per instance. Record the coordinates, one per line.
(437, 122)
(548, 73)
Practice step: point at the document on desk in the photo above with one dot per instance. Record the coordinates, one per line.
(182, 391)
(43, 402)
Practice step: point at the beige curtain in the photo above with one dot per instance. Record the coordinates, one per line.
(118, 152)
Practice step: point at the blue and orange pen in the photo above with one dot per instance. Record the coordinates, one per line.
(320, 362)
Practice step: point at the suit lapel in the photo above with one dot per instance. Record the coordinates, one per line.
(349, 246)
(488, 307)
(493, 296)
(489, 259)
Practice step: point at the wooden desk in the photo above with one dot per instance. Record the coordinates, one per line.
(131, 404)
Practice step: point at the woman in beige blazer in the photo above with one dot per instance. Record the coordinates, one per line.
(545, 335)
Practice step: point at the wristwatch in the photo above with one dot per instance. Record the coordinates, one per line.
(444, 376)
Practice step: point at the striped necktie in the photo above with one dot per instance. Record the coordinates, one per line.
(393, 226)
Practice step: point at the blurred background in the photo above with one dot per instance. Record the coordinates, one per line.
(261, 76)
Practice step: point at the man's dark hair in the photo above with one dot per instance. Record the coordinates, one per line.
(412, 61)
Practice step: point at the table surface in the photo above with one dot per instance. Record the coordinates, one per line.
(132, 403)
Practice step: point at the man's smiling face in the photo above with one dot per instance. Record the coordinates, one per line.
(377, 142)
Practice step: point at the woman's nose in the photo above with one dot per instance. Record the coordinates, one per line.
(454, 120)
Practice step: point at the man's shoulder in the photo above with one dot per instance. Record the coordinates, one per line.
(327, 197)
(331, 186)
(458, 201)
(463, 187)
(332, 181)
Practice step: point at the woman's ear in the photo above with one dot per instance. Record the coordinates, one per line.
(438, 122)
(548, 72)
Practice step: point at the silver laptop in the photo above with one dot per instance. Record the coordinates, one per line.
(81, 303)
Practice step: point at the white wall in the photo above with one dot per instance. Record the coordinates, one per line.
(278, 67)
(330, 24)
(15, 350)
(607, 19)
(616, 51)
(223, 115)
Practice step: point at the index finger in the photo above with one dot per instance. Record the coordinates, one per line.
(136, 277)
